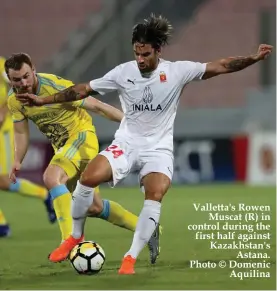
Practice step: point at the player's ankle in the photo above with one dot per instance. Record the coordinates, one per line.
(76, 236)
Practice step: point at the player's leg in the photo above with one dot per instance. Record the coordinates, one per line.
(65, 167)
(102, 208)
(30, 189)
(97, 171)
(55, 179)
(118, 215)
(114, 166)
(4, 227)
(22, 186)
(156, 179)
(107, 166)
(112, 212)
(156, 185)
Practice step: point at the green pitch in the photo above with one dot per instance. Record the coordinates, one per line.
(23, 256)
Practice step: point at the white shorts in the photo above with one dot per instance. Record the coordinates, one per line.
(125, 159)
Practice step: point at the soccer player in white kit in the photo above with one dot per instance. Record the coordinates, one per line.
(149, 90)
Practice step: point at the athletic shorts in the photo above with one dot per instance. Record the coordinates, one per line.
(125, 159)
(74, 156)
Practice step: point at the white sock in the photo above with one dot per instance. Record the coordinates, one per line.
(147, 222)
(82, 198)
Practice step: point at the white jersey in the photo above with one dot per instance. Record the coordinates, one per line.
(149, 102)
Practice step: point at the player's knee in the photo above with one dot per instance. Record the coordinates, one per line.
(90, 179)
(50, 181)
(54, 176)
(155, 194)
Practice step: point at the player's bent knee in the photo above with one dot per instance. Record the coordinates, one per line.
(155, 195)
(50, 181)
(54, 176)
(90, 179)
(96, 172)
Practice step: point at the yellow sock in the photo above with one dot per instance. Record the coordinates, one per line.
(62, 204)
(2, 218)
(117, 215)
(28, 188)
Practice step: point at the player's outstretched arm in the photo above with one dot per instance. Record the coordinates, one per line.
(73, 93)
(103, 109)
(21, 143)
(235, 64)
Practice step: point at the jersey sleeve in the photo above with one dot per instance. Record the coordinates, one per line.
(3, 74)
(15, 109)
(3, 83)
(190, 71)
(107, 83)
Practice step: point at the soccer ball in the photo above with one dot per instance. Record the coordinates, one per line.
(87, 258)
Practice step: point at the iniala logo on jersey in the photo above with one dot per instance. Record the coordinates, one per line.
(147, 99)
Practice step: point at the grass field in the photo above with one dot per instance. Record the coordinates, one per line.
(23, 256)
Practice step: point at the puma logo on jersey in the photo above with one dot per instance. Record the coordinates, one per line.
(130, 81)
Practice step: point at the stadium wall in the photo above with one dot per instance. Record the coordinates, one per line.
(247, 159)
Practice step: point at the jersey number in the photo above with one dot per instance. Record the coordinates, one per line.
(116, 151)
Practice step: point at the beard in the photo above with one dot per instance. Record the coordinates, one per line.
(22, 90)
(145, 70)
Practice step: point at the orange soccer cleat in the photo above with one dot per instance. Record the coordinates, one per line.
(127, 266)
(62, 252)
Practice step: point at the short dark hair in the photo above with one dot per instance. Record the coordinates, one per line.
(153, 30)
(16, 61)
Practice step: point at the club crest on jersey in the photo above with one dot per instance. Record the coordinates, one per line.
(162, 77)
(147, 98)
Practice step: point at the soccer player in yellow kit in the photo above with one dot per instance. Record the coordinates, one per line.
(22, 186)
(71, 132)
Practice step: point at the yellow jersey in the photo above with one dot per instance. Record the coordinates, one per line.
(7, 124)
(58, 122)
(3, 84)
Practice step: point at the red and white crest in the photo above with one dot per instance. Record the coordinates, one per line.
(162, 77)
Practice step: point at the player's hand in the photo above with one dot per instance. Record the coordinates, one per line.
(264, 51)
(29, 99)
(15, 169)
